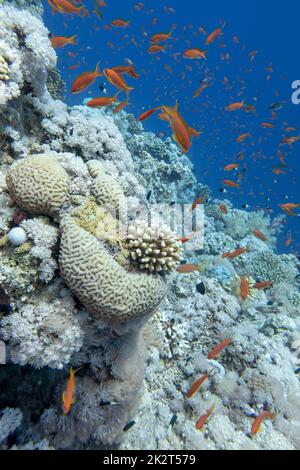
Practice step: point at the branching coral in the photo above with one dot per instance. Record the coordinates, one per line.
(153, 248)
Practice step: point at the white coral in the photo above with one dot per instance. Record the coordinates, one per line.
(154, 248)
(46, 334)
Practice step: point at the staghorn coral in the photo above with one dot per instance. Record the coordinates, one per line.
(153, 248)
(100, 283)
(38, 184)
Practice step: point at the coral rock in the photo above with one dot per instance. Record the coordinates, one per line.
(38, 184)
(100, 283)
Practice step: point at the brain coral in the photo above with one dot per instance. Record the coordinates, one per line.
(100, 283)
(38, 184)
(105, 188)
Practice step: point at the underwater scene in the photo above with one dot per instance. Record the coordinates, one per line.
(149, 225)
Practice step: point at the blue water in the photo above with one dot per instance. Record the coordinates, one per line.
(268, 27)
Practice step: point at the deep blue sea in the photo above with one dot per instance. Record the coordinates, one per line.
(256, 60)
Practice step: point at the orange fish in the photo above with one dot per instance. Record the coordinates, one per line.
(212, 36)
(231, 184)
(215, 352)
(196, 385)
(68, 395)
(290, 140)
(84, 80)
(235, 106)
(61, 41)
(102, 101)
(147, 114)
(120, 23)
(160, 37)
(289, 240)
(202, 420)
(194, 54)
(127, 69)
(120, 106)
(185, 239)
(187, 268)
(288, 208)
(198, 201)
(267, 125)
(235, 253)
(115, 79)
(182, 133)
(156, 48)
(260, 418)
(199, 90)
(231, 166)
(263, 285)
(74, 67)
(260, 235)
(242, 137)
(65, 6)
(223, 208)
(244, 288)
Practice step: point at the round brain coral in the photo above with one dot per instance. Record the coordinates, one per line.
(38, 184)
(153, 248)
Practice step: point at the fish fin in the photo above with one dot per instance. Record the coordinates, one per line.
(97, 73)
(72, 40)
(64, 397)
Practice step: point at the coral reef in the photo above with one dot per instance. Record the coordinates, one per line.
(74, 292)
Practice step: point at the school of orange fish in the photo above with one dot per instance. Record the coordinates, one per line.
(182, 134)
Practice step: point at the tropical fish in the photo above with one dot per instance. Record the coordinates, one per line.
(120, 23)
(120, 106)
(259, 419)
(267, 125)
(68, 395)
(215, 352)
(115, 79)
(187, 268)
(185, 239)
(199, 200)
(235, 253)
(200, 288)
(194, 54)
(231, 184)
(196, 385)
(244, 288)
(223, 208)
(242, 137)
(235, 106)
(102, 101)
(231, 166)
(182, 133)
(129, 425)
(127, 69)
(160, 37)
(61, 41)
(85, 79)
(200, 89)
(156, 48)
(147, 114)
(65, 6)
(263, 285)
(288, 208)
(202, 420)
(212, 36)
(259, 235)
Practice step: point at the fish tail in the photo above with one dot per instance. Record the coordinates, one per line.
(72, 39)
(97, 72)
